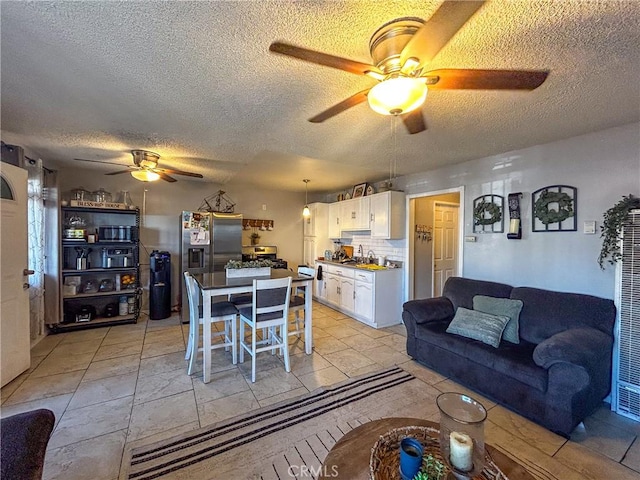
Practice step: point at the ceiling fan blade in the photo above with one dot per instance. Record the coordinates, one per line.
(414, 121)
(165, 177)
(453, 79)
(97, 161)
(352, 101)
(322, 58)
(177, 172)
(438, 30)
(120, 171)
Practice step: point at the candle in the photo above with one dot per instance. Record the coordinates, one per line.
(461, 451)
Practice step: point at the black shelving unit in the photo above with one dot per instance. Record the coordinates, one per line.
(93, 291)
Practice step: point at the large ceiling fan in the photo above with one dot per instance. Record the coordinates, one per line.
(401, 50)
(146, 167)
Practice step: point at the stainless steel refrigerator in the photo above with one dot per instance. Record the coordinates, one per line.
(208, 241)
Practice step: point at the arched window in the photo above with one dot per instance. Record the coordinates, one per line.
(5, 189)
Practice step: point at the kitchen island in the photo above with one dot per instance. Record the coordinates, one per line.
(368, 293)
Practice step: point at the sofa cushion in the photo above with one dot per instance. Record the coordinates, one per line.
(545, 313)
(501, 306)
(462, 290)
(511, 360)
(478, 325)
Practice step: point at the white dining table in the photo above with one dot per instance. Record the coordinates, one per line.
(216, 284)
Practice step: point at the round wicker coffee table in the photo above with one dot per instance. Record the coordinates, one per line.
(349, 457)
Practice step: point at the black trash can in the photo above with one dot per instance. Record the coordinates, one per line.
(160, 285)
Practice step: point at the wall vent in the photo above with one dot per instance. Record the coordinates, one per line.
(626, 371)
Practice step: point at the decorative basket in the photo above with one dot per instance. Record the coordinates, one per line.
(385, 454)
(248, 272)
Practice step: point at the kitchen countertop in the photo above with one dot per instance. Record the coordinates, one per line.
(370, 267)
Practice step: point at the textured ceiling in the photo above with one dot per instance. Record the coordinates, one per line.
(194, 81)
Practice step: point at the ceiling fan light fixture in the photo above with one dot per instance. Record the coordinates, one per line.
(145, 175)
(397, 95)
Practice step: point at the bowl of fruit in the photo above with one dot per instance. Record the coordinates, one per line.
(128, 280)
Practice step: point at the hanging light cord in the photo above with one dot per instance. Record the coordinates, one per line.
(393, 160)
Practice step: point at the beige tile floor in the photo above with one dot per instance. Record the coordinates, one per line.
(111, 388)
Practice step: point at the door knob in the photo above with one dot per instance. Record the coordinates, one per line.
(26, 272)
(25, 286)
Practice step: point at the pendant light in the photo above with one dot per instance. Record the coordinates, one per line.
(305, 211)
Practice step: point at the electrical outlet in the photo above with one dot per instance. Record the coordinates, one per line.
(264, 206)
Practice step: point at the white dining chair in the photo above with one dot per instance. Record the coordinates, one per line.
(297, 303)
(220, 312)
(269, 310)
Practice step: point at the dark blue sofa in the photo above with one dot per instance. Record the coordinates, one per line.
(23, 441)
(558, 373)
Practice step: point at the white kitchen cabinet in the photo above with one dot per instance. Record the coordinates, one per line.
(319, 290)
(334, 229)
(316, 238)
(383, 214)
(347, 294)
(332, 286)
(339, 286)
(354, 214)
(309, 250)
(372, 297)
(387, 215)
(363, 295)
(316, 223)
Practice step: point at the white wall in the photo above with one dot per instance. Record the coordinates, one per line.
(165, 201)
(603, 166)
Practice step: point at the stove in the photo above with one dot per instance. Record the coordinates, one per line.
(263, 252)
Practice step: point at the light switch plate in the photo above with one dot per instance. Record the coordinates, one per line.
(589, 227)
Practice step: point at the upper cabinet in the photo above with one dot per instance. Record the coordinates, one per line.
(387, 215)
(354, 214)
(383, 214)
(316, 223)
(335, 229)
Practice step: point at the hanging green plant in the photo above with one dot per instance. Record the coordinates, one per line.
(548, 215)
(482, 209)
(611, 229)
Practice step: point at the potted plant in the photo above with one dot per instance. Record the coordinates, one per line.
(611, 229)
(255, 238)
(252, 268)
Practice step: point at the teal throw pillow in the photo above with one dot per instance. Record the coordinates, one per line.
(478, 325)
(502, 306)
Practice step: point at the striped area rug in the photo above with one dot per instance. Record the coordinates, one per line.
(247, 446)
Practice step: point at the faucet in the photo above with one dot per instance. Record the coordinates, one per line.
(360, 254)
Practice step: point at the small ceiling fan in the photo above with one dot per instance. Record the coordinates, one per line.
(401, 50)
(146, 167)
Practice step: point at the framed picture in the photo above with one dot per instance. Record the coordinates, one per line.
(555, 209)
(358, 190)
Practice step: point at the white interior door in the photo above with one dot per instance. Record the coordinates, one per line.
(445, 245)
(15, 355)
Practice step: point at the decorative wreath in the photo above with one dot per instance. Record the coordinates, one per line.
(483, 208)
(546, 215)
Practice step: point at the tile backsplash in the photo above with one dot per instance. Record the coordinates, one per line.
(394, 250)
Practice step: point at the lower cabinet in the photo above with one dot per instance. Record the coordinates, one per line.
(374, 298)
(347, 294)
(363, 289)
